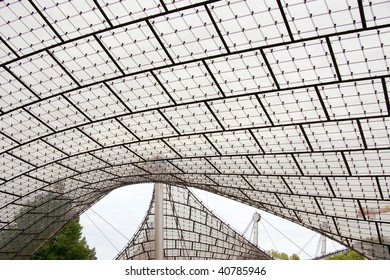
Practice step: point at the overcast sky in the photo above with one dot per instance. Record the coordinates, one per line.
(126, 207)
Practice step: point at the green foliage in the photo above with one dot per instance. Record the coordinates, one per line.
(67, 245)
(282, 256)
(349, 255)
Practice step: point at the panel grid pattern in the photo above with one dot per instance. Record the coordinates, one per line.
(282, 106)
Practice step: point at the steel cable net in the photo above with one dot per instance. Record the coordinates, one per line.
(191, 232)
(280, 105)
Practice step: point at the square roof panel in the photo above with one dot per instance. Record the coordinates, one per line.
(376, 13)
(24, 29)
(363, 54)
(72, 19)
(124, 11)
(358, 99)
(109, 133)
(42, 74)
(376, 132)
(189, 82)
(235, 143)
(312, 18)
(57, 113)
(71, 142)
(192, 146)
(22, 127)
(141, 92)
(13, 94)
(86, 60)
(12, 166)
(188, 34)
(240, 112)
(299, 64)
(148, 125)
(98, 102)
(249, 24)
(194, 118)
(38, 153)
(293, 106)
(134, 47)
(242, 73)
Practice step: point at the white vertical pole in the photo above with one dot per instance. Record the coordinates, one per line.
(158, 221)
(256, 219)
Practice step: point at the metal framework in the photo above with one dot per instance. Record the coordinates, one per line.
(191, 232)
(282, 105)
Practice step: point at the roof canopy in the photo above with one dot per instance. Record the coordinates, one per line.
(282, 105)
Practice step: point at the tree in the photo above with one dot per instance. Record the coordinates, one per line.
(349, 255)
(68, 244)
(282, 256)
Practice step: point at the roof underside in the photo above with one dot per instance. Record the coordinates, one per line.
(284, 107)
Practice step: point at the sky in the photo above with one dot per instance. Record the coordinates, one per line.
(111, 222)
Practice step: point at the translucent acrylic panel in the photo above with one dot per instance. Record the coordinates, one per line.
(242, 73)
(116, 155)
(151, 150)
(13, 93)
(362, 54)
(311, 18)
(125, 11)
(22, 127)
(194, 118)
(188, 34)
(376, 132)
(148, 125)
(359, 187)
(73, 18)
(141, 92)
(6, 143)
(189, 82)
(357, 99)
(369, 162)
(275, 165)
(12, 167)
(97, 102)
(125, 171)
(193, 145)
(38, 153)
(52, 172)
(42, 74)
(94, 176)
(58, 113)
(322, 164)
(71, 142)
(300, 203)
(293, 106)
(231, 181)
(84, 162)
(134, 47)
(234, 165)
(194, 165)
(6, 53)
(375, 12)
(268, 184)
(158, 167)
(309, 186)
(282, 139)
(334, 136)
(236, 142)
(108, 133)
(23, 29)
(301, 63)
(249, 24)
(240, 112)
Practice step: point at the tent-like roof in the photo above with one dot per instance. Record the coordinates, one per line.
(191, 232)
(282, 105)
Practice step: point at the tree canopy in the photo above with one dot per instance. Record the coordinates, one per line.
(68, 244)
(282, 256)
(349, 255)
